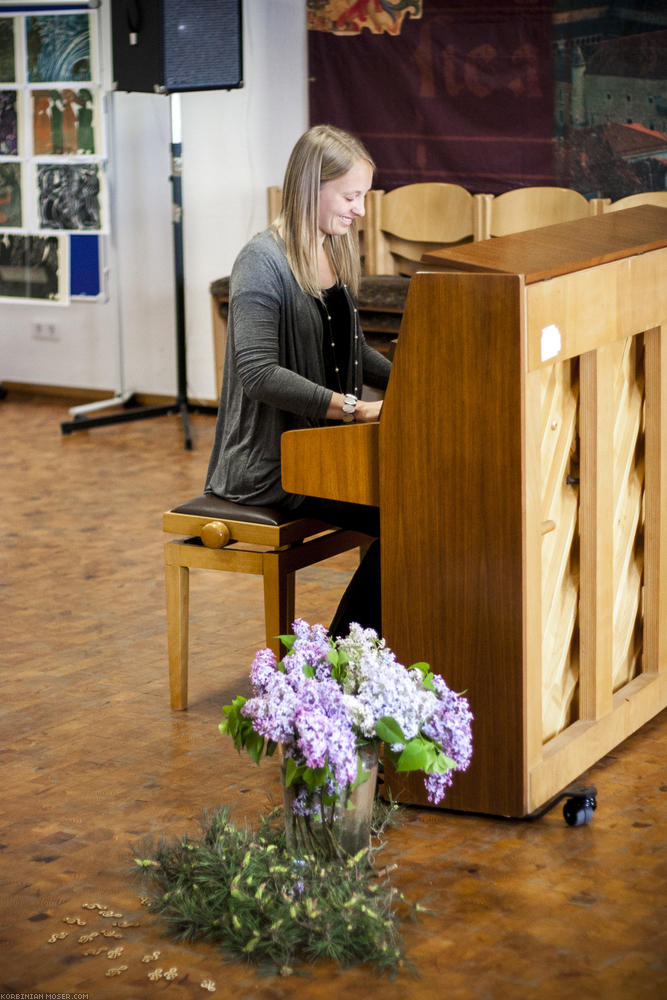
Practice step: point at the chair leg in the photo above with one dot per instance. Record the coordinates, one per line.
(278, 601)
(177, 585)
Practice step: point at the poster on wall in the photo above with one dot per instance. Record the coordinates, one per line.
(64, 122)
(58, 47)
(11, 214)
(69, 196)
(34, 268)
(7, 51)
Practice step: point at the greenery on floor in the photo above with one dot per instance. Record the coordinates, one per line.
(240, 888)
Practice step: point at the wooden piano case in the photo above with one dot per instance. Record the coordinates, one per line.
(521, 472)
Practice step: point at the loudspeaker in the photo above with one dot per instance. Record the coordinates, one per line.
(163, 46)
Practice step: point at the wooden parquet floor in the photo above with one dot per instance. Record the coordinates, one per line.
(94, 761)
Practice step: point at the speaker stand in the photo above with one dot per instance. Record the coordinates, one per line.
(181, 405)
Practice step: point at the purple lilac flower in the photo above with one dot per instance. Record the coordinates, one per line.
(305, 714)
(302, 804)
(450, 726)
(262, 670)
(437, 785)
(318, 721)
(311, 649)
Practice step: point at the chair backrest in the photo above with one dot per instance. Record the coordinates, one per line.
(403, 224)
(530, 208)
(630, 201)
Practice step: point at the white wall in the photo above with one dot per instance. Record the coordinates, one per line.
(235, 144)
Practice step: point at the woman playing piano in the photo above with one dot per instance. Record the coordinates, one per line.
(296, 355)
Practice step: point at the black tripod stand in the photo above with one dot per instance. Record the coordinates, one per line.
(181, 404)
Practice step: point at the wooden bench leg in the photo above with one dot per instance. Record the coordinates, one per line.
(278, 601)
(178, 622)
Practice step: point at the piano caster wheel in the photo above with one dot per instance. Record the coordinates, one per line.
(578, 810)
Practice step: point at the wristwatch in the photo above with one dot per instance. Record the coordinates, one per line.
(349, 408)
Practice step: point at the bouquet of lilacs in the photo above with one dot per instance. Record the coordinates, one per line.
(328, 700)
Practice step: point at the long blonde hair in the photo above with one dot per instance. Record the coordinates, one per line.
(322, 154)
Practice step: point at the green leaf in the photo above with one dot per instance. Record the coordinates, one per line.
(388, 730)
(287, 641)
(427, 675)
(254, 745)
(439, 763)
(414, 757)
(339, 660)
(291, 768)
(234, 722)
(315, 777)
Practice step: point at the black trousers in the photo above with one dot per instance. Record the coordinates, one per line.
(362, 600)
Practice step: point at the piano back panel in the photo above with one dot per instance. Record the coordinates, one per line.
(627, 376)
(603, 659)
(524, 516)
(559, 562)
(451, 506)
(610, 466)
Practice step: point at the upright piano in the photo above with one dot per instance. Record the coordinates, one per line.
(520, 468)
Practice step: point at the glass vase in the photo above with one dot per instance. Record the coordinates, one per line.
(331, 830)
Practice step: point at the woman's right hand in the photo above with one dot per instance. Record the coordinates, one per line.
(367, 411)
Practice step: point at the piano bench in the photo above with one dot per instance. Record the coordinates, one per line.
(237, 538)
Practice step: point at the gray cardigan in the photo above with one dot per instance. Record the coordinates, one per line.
(274, 374)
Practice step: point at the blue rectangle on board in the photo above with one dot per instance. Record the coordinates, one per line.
(84, 264)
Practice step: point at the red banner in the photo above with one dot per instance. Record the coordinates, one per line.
(462, 93)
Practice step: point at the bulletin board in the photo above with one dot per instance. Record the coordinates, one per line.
(53, 157)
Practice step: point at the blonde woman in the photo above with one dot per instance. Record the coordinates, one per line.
(296, 355)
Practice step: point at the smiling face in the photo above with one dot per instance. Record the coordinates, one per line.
(342, 199)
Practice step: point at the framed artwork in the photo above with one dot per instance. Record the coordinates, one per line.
(64, 122)
(58, 47)
(7, 50)
(34, 268)
(70, 196)
(11, 214)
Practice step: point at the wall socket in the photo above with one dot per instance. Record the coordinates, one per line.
(45, 331)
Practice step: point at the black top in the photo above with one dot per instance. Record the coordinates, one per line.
(336, 329)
